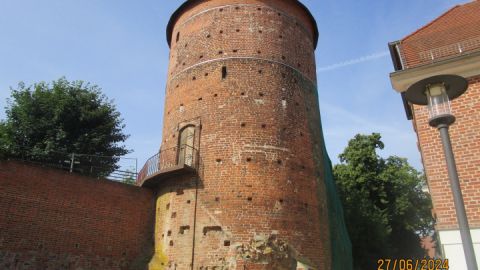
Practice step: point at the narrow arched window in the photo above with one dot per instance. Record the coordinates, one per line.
(186, 143)
(178, 36)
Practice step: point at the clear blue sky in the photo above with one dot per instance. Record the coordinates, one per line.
(120, 45)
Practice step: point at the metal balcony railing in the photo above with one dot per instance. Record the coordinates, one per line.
(169, 159)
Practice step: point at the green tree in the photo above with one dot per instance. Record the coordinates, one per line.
(47, 122)
(385, 208)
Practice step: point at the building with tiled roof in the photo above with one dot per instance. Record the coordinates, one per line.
(449, 44)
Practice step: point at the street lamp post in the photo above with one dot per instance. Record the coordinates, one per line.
(436, 92)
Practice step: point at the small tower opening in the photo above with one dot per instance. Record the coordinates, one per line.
(224, 72)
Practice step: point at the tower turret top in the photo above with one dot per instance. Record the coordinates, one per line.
(192, 3)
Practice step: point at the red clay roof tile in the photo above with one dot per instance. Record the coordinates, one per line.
(455, 32)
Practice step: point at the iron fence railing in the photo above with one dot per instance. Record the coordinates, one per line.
(116, 168)
(168, 159)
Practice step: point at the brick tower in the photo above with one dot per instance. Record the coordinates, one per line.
(239, 176)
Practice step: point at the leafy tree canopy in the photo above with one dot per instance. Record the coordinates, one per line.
(44, 122)
(385, 207)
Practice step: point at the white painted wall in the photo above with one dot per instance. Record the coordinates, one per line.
(453, 249)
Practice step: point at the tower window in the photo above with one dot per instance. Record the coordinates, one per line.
(224, 72)
(185, 146)
(178, 36)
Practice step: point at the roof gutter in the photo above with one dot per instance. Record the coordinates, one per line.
(466, 65)
(398, 65)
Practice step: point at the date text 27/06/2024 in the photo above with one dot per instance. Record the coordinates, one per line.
(412, 264)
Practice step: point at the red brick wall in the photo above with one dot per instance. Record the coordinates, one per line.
(51, 219)
(259, 140)
(465, 136)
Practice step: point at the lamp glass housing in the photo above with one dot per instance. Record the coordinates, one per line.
(438, 101)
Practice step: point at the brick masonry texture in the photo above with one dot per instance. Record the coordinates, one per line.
(51, 219)
(243, 73)
(465, 136)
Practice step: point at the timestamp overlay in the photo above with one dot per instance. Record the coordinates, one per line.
(413, 264)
